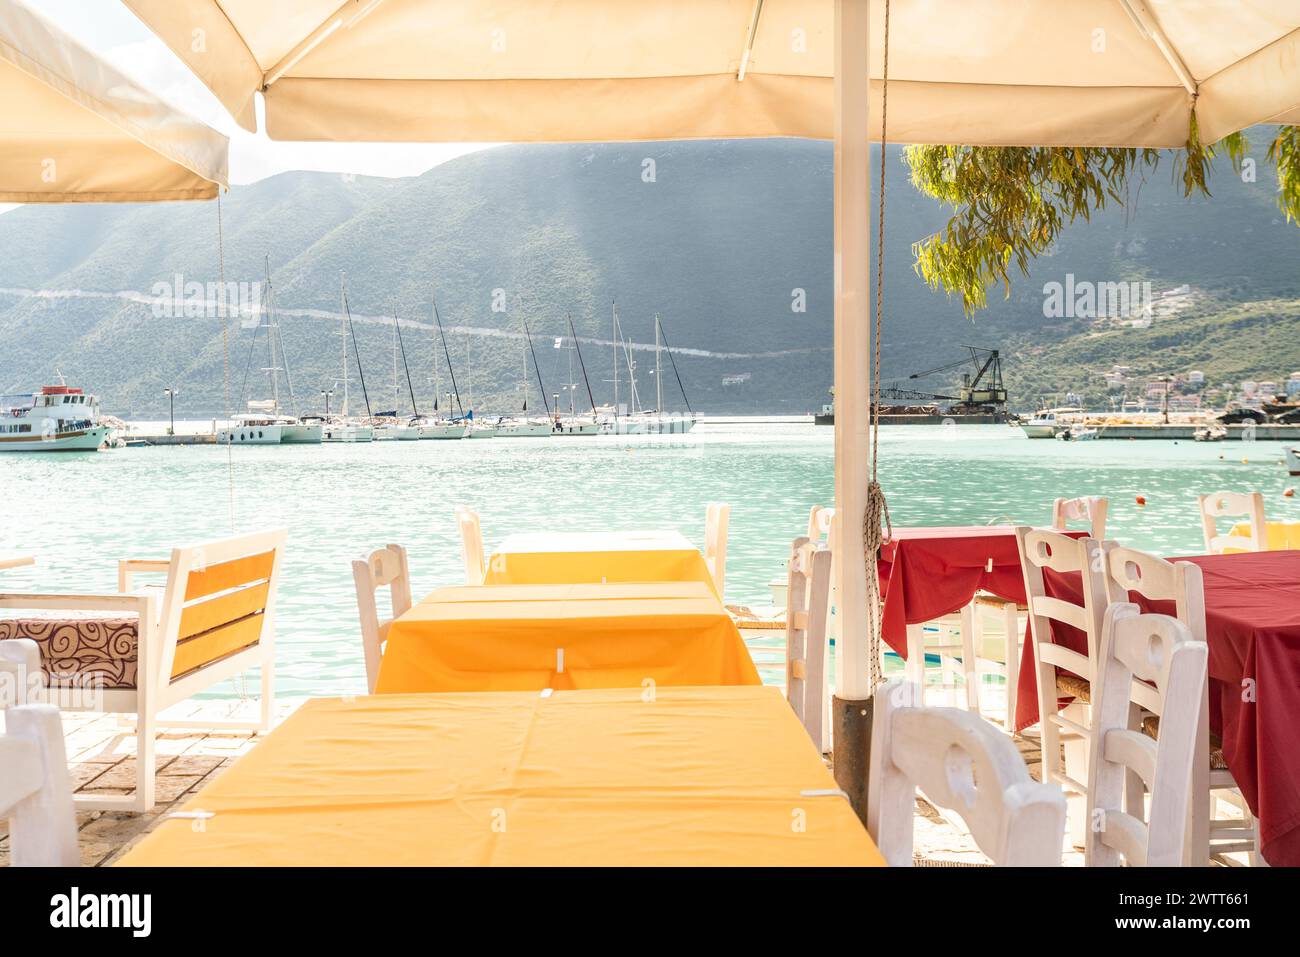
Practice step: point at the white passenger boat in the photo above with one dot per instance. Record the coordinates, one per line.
(55, 419)
(1046, 423)
(1293, 460)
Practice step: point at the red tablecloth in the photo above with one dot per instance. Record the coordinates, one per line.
(1252, 626)
(926, 573)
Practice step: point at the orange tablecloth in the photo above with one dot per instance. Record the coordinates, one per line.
(530, 637)
(557, 558)
(1282, 536)
(696, 776)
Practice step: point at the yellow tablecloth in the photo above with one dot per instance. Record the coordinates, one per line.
(1282, 536)
(530, 637)
(556, 558)
(696, 776)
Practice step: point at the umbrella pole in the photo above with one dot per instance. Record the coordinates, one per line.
(852, 707)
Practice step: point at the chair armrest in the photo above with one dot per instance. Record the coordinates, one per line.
(128, 568)
(139, 604)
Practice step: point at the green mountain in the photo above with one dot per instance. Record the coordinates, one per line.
(723, 240)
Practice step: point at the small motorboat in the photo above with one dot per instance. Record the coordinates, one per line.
(1077, 433)
(1210, 433)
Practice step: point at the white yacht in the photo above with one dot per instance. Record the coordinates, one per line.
(251, 429)
(1045, 423)
(576, 425)
(427, 428)
(55, 419)
(524, 428)
(339, 429)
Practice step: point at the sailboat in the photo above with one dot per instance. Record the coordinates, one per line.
(389, 424)
(574, 424)
(265, 422)
(522, 426)
(439, 426)
(342, 428)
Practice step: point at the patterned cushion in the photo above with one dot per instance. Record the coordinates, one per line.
(79, 651)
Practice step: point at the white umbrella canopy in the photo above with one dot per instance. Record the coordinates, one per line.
(982, 72)
(74, 129)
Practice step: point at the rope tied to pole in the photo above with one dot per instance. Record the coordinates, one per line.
(877, 508)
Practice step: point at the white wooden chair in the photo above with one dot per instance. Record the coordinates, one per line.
(385, 566)
(35, 790)
(21, 676)
(963, 764)
(215, 618)
(1006, 615)
(1247, 505)
(1128, 572)
(471, 545)
(716, 519)
(1091, 510)
(1061, 671)
(820, 518)
(1170, 666)
(806, 642)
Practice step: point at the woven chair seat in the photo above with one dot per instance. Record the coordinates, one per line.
(1072, 686)
(1151, 728)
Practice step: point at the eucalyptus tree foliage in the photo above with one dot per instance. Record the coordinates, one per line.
(1010, 204)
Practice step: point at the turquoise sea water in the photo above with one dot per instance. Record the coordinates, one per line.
(80, 513)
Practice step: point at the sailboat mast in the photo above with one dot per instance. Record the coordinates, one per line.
(582, 365)
(447, 352)
(361, 373)
(279, 337)
(659, 379)
(270, 342)
(397, 392)
(540, 384)
(678, 375)
(613, 307)
(343, 339)
(415, 412)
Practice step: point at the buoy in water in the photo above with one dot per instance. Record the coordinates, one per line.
(1141, 500)
(1289, 493)
(1245, 461)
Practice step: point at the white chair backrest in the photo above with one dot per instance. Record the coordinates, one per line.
(819, 523)
(35, 790)
(20, 671)
(1130, 572)
(385, 566)
(1159, 651)
(1247, 505)
(964, 764)
(1091, 510)
(716, 519)
(808, 588)
(471, 545)
(1040, 550)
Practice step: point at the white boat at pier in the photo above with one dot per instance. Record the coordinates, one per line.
(55, 419)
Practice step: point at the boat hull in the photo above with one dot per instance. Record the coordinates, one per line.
(348, 433)
(301, 434)
(82, 440)
(443, 431)
(524, 430)
(1293, 461)
(251, 435)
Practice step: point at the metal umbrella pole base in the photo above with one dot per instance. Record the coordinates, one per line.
(851, 750)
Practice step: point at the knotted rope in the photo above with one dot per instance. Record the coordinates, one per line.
(873, 534)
